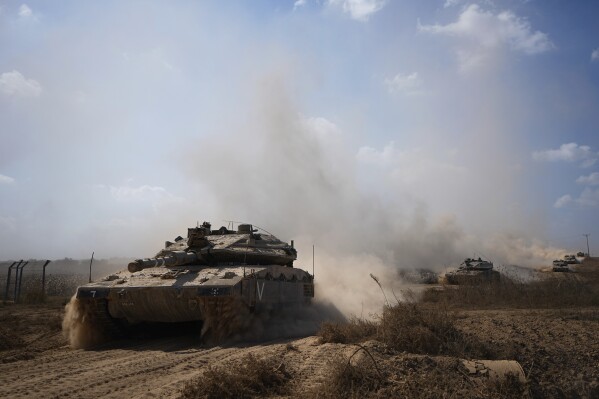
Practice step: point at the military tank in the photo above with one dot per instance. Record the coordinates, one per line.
(561, 266)
(571, 259)
(216, 277)
(473, 271)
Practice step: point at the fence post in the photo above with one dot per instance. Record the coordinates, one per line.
(44, 279)
(18, 282)
(8, 280)
(16, 272)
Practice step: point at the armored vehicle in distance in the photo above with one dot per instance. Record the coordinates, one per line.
(571, 259)
(473, 271)
(217, 277)
(560, 266)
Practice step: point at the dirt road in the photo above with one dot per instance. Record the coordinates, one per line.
(35, 360)
(155, 368)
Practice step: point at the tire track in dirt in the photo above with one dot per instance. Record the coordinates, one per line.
(158, 368)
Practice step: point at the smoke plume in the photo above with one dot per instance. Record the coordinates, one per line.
(298, 177)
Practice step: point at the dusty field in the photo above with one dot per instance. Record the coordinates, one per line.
(557, 347)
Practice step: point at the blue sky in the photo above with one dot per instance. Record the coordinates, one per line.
(468, 127)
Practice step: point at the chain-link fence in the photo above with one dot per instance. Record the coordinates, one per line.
(32, 280)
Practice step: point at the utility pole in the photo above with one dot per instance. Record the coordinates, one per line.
(588, 251)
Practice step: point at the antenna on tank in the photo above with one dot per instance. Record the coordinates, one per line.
(313, 261)
(231, 224)
(90, 267)
(247, 247)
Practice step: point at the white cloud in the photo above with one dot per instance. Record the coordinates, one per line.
(595, 55)
(25, 11)
(589, 198)
(6, 179)
(451, 3)
(322, 128)
(590, 180)
(563, 201)
(570, 152)
(407, 84)
(15, 84)
(483, 31)
(298, 4)
(360, 10)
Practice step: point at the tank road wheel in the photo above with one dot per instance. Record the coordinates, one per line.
(223, 317)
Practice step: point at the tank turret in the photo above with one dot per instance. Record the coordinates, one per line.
(476, 264)
(210, 247)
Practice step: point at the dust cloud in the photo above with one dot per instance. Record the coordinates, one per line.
(78, 325)
(286, 322)
(298, 177)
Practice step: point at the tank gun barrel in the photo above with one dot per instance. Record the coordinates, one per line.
(175, 258)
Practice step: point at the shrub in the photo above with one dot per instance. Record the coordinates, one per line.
(345, 379)
(251, 378)
(353, 331)
(420, 328)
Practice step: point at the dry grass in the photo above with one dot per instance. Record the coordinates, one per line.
(31, 297)
(353, 331)
(348, 380)
(508, 387)
(411, 327)
(410, 376)
(565, 290)
(418, 328)
(252, 378)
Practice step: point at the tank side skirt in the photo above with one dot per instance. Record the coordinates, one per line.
(172, 304)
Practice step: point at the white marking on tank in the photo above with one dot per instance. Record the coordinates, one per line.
(260, 290)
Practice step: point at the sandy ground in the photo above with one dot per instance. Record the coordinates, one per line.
(557, 348)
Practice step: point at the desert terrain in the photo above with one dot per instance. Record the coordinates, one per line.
(411, 350)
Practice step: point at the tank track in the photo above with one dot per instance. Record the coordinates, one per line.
(109, 326)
